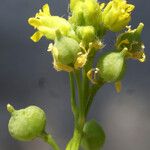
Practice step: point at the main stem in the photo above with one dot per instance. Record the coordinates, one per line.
(79, 116)
(85, 97)
(92, 93)
(73, 97)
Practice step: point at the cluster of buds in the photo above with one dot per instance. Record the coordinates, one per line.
(76, 41)
(88, 22)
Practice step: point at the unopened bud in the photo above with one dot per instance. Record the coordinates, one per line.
(117, 15)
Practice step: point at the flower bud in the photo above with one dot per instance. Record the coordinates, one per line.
(73, 4)
(93, 136)
(116, 15)
(86, 33)
(131, 39)
(83, 12)
(112, 66)
(26, 124)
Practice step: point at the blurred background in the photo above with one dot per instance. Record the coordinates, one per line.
(27, 78)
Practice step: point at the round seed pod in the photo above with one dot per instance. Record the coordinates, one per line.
(93, 136)
(67, 50)
(26, 124)
(112, 66)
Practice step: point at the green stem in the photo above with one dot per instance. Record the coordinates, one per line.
(80, 94)
(83, 94)
(72, 87)
(48, 139)
(86, 68)
(93, 92)
(85, 86)
(74, 143)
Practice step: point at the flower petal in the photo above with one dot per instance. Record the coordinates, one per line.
(36, 36)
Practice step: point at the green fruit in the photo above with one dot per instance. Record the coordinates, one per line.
(112, 66)
(26, 124)
(68, 49)
(94, 136)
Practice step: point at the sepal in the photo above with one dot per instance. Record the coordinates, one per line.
(131, 39)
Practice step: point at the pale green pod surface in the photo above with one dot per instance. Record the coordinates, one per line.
(68, 49)
(112, 66)
(94, 136)
(27, 124)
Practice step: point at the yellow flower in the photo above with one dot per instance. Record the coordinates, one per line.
(117, 14)
(47, 24)
(73, 3)
(83, 12)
